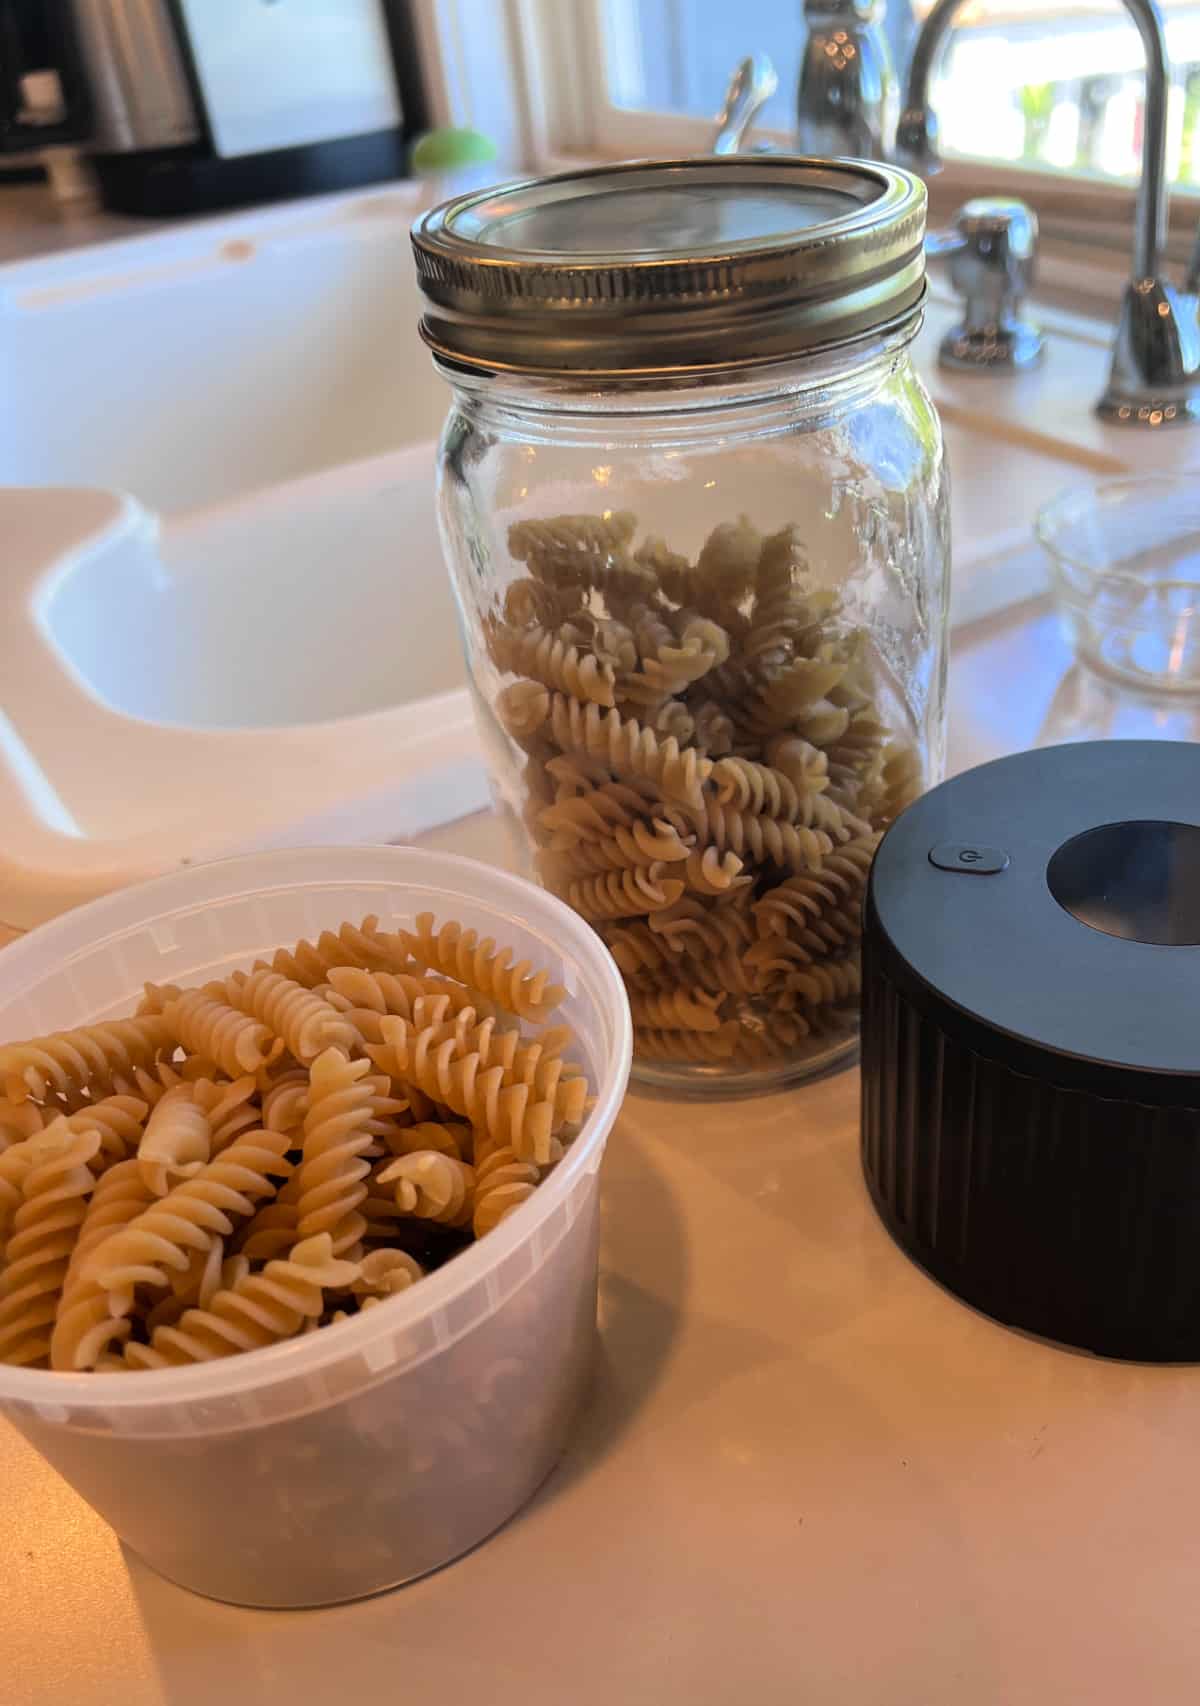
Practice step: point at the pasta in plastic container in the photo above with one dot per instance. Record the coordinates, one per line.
(349, 1459)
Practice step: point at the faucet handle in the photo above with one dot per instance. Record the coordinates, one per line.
(753, 83)
(992, 248)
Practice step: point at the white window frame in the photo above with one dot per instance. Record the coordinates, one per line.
(560, 48)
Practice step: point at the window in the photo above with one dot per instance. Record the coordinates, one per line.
(1055, 85)
(1081, 111)
(668, 56)
(677, 55)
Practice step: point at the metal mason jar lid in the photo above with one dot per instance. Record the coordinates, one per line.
(668, 267)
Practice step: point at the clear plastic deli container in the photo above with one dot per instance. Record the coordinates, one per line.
(354, 1459)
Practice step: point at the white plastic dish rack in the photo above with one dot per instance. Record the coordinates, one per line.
(110, 768)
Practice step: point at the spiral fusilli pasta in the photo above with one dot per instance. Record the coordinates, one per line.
(440, 1136)
(672, 662)
(192, 1213)
(305, 1024)
(452, 1072)
(763, 840)
(502, 1183)
(432, 1186)
(230, 1108)
(19, 1120)
(14, 1164)
(787, 692)
(729, 559)
(162, 1239)
(673, 720)
(713, 729)
(712, 872)
(384, 1273)
(677, 1010)
(549, 658)
(793, 904)
(67, 1061)
(424, 1000)
(530, 602)
(206, 1272)
(538, 1065)
(749, 737)
(689, 925)
(582, 551)
(623, 894)
(625, 745)
(117, 1121)
(210, 1026)
(336, 1138)
(177, 1140)
(657, 842)
(523, 707)
(824, 906)
(351, 945)
(698, 1046)
(274, 1229)
(635, 947)
(783, 963)
(185, 1221)
(803, 765)
(481, 966)
(259, 1309)
(572, 535)
(54, 1193)
(757, 789)
(590, 816)
(119, 1197)
(832, 980)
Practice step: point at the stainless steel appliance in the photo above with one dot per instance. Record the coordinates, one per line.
(192, 105)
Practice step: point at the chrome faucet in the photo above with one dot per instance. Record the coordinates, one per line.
(1154, 380)
(847, 107)
(750, 88)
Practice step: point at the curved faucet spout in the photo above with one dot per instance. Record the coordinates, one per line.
(916, 138)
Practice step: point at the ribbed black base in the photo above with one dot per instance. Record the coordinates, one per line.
(1052, 1210)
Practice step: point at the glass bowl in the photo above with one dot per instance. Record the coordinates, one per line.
(1125, 571)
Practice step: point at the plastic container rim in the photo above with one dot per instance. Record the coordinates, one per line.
(81, 930)
(1085, 498)
(1082, 494)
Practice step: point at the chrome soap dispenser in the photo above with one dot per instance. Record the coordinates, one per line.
(848, 98)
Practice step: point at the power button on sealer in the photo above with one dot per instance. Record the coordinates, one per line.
(968, 856)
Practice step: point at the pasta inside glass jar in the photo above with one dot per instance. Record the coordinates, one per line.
(704, 610)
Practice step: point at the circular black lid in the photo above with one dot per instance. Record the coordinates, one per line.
(1045, 910)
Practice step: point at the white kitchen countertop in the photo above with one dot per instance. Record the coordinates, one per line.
(806, 1473)
(32, 222)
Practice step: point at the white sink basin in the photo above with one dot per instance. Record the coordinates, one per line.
(218, 358)
(320, 599)
(113, 765)
(246, 633)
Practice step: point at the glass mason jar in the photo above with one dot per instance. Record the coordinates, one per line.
(694, 505)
